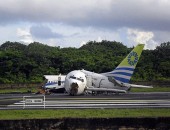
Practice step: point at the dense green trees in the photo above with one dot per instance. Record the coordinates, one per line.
(20, 63)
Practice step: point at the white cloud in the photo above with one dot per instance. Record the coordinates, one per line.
(22, 32)
(82, 43)
(99, 39)
(146, 38)
(24, 35)
(71, 22)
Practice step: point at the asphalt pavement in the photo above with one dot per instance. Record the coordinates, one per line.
(60, 101)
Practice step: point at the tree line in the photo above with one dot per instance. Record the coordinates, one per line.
(21, 63)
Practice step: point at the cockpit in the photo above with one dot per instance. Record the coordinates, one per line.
(75, 82)
(73, 77)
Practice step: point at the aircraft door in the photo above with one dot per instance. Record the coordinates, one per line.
(59, 81)
(89, 81)
(101, 83)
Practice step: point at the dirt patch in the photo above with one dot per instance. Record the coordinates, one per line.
(161, 123)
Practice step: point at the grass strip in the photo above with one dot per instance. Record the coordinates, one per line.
(83, 113)
(154, 89)
(34, 90)
(21, 90)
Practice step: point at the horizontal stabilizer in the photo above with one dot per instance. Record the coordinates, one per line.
(106, 89)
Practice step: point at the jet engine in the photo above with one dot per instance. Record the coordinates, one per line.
(75, 82)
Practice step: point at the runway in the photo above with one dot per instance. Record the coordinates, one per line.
(64, 101)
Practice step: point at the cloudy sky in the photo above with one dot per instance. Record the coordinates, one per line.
(72, 23)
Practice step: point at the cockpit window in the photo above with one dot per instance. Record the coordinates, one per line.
(82, 80)
(73, 77)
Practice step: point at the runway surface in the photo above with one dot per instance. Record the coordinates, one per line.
(60, 101)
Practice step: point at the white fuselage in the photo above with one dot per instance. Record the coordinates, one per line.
(78, 81)
(102, 81)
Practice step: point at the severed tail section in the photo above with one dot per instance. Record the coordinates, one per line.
(123, 72)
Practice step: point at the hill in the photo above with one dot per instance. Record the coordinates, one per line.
(21, 63)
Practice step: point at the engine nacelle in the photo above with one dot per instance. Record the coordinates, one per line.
(75, 82)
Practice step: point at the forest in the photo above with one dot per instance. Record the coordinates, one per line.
(20, 63)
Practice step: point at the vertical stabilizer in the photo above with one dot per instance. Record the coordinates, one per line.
(125, 69)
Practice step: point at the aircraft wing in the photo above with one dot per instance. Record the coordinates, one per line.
(139, 86)
(107, 89)
(131, 85)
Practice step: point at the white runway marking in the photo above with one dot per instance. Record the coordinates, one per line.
(96, 104)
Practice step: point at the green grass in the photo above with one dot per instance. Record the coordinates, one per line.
(154, 89)
(33, 89)
(21, 90)
(83, 113)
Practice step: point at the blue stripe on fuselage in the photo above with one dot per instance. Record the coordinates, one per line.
(52, 83)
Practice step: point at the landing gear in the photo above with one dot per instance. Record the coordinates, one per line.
(94, 93)
(86, 93)
(117, 93)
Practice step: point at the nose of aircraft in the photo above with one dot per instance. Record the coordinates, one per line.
(74, 88)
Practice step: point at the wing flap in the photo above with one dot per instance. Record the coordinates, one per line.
(139, 86)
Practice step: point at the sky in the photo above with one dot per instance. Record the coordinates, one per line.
(72, 23)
